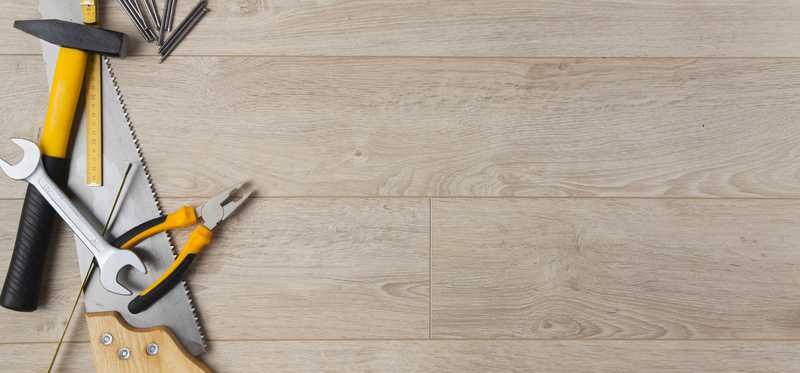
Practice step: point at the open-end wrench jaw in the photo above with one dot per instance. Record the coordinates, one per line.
(113, 265)
(31, 157)
(110, 260)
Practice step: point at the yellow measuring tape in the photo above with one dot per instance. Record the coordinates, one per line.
(93, 106)
(94, 121)
(89, 12)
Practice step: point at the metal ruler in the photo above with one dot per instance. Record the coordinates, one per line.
(93, 106)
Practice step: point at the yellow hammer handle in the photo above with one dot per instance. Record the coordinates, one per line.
(34, 232)
(64, 96)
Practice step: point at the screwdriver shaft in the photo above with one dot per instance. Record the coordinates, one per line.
(169, 15)
(137, 8)
(183, 29)
(168, 52)
(139, 23)
(184, 24)
(152, 10)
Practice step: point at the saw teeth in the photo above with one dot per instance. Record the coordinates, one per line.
(146, 171)
(195, 315)
(136, 144)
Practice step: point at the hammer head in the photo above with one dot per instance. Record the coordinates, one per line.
(76, 36)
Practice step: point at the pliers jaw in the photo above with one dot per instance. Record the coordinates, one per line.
(223, 205)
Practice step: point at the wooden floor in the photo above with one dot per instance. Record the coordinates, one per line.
(463, 186)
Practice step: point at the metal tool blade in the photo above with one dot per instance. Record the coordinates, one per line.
(175, 310)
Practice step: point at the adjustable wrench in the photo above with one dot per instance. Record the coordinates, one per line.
(110, 260)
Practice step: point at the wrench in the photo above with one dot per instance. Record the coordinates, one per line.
(110, 260)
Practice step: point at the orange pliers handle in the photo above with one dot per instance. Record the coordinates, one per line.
(199, 238)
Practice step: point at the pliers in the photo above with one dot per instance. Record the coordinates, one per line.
(207, 216)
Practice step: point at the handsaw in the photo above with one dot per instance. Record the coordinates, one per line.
(174, 316)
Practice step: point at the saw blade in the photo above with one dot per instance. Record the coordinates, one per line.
(176, 309)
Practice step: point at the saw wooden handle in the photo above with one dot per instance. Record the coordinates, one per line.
(113, 340)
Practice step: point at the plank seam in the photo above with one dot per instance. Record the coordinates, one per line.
(309, 56)
(463, 340)
(490, 197)
(430, 268)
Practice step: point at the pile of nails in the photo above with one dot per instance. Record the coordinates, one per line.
(158, 28)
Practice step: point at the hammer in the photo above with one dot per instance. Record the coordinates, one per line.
(23, 280)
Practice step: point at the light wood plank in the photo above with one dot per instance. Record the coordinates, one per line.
(463, 127)
(318, 269)
(13, 41)
(457, 356)
(282, 268)
(470, 127)
(22, 109)
(522, 28)
(615, 269)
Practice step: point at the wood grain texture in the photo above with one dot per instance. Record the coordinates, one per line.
(331, 106)
(615, 269)
(13, 41)
(522, 28)
(458, 356)
(317, 269)
(471, 127)
(458, 127)
(22, 110)
(281, 268)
